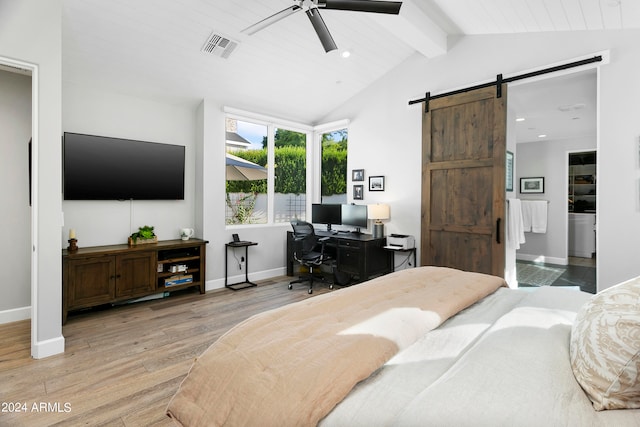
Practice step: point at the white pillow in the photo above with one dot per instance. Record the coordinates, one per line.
(605, 347)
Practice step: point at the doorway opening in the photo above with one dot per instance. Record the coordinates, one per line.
(556, 116)
(23, 148)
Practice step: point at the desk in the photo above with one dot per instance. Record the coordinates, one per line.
(246, 283)
(359, 255)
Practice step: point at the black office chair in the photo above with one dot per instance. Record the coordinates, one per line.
(306, 246)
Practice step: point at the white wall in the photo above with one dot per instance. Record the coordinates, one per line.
(31, 32)
(95, 112)
(267, 259)
(549, 159)
(385, 133)
(15, 215)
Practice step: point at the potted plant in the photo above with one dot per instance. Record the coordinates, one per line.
(143, 235)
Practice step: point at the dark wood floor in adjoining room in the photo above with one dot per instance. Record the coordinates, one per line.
(123, 364)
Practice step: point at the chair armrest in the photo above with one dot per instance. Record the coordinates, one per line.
(324, 239)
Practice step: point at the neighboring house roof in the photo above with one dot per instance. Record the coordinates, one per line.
(234, 140)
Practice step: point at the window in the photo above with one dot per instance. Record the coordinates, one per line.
(246, 172)
(290, 190)
(266, 171)
(333, 167)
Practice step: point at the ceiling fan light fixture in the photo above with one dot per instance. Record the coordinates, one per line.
(321, 30)
(252, 29)
(311, 9)
(390, 7)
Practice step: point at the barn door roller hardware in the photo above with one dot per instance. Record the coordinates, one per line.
(500, 81)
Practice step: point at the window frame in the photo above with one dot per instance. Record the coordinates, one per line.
(318, 131)
(273, 123)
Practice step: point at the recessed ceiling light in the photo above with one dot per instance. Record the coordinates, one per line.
(520, 119)
(345, 54)
(542, 135)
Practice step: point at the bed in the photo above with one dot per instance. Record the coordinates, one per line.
(425, 346)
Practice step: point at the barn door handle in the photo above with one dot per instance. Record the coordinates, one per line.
(498, 230)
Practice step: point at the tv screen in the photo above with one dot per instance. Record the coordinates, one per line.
(355, 215)
(104, 168)
(326, 214)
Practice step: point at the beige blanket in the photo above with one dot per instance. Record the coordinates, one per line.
(292, 365)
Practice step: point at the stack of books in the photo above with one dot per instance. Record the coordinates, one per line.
(180, 279)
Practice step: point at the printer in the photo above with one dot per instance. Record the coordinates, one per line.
(401, 241)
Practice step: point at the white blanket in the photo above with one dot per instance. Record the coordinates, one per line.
(502, 362)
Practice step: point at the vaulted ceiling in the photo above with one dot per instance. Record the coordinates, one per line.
(153, 48)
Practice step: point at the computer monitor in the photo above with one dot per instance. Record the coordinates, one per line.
(326, 214)
(355, 215)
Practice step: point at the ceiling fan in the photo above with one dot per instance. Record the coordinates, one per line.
(312, 9)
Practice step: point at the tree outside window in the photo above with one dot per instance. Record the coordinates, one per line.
(333, 173)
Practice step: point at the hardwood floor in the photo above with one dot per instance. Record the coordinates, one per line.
(123, 364)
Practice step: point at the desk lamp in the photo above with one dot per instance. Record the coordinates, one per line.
(378, 212)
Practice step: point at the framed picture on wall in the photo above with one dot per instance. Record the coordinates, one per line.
(357, 175)
(376, 183)
(532, 185)
(358, 192)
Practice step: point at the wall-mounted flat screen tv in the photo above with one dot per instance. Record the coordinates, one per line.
(105, 168)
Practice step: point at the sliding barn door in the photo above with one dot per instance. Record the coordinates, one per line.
(463, 181)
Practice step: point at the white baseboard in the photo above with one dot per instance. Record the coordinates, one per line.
(15, 315)
(542, 258)
(46, 348)
(259, 275)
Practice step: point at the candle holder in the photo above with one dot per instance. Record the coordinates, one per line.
(73, 245)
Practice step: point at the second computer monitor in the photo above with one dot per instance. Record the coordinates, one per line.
(355, 215)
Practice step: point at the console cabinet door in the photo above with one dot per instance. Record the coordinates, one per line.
(135, 274)
(91, 281)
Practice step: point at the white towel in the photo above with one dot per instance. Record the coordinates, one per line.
(534, 216)
(515, 226)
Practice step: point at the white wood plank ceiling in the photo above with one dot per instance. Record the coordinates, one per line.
(152, 48)
(519, 16)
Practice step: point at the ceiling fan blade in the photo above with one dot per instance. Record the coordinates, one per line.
(252, 29)
(321, 30)
(391, 7)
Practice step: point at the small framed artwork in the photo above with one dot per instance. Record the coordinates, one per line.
(532, 185)
(357, 175)
(509, 170)
(358, 192)
(376, 183)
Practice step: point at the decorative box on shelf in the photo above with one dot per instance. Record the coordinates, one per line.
(142, 241)
(180, 268)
